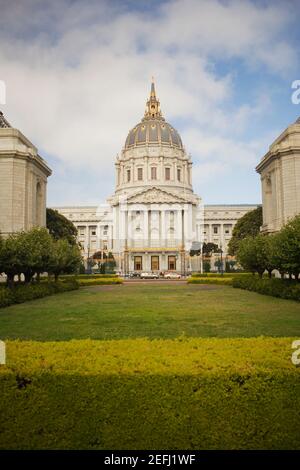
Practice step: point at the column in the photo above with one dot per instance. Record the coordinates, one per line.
(146, 227)
(163, 227)
(179, 227)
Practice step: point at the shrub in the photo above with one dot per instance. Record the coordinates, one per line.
(141, 394)
(283, 288)
(217, 275)
(87, 276)
(22, 293)
(226, 281)
(100, 281)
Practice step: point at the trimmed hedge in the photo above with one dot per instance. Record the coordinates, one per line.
(283, 288)
(141, 394)
(22, 293)
(100, 281)
(218, 274)
(226, 281)
(87, 276)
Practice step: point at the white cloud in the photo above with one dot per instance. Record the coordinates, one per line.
(78, 73)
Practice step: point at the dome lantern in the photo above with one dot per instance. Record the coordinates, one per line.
(153, 129)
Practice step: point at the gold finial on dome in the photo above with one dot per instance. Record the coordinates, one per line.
(153, 106)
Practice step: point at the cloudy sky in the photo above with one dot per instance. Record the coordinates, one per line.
(78, 75)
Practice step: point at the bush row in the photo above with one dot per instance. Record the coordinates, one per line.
(226, 281)
(141, 394)
(283, 288)
(215, 275)
(100, 281)
(22, 293)
(88, 276)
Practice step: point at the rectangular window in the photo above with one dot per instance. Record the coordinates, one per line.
(178, 174)
(215, 230)
(93, 232)
(154, 263)
(171, 263)
(153, 173)
(168, 174)
(128, 176)
(140, 174)
(138, 265)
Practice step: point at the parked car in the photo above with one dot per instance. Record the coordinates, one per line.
(150, 275)
(172, 276)
(134, 275)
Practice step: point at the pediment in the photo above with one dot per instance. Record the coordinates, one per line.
(156, 195)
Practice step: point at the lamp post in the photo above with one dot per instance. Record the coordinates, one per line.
(221, 251)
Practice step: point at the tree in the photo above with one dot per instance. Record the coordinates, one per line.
(286, 254)
(206, 266)
(219, 265)
(35, 252)
(110, 263)
(229, 266)
(209, 248)
(10, 259)
(65, 258)
(60, 227)
(256, 254)
(247, 226)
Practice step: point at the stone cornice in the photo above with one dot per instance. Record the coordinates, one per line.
(26, 156)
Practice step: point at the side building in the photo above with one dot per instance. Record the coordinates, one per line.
(279, 170)
(23, 182)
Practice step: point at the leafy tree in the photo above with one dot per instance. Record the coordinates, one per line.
(247, 226)
(60, 227)
(286, 254)
(206, 266)
(229, 265)
(209, 248)
(65, 258)
(10, 259)
(110, 263)
(219, 265)
(256, 254)
(35, 252)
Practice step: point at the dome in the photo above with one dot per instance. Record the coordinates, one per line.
(153, 129)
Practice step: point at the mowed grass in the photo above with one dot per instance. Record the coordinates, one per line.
(152, 311)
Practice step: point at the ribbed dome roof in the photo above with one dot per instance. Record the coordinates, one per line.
(153, 129)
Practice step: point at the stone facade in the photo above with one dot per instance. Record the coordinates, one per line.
(154, 218)
(23, 182)
(96, 231)
(280, 179)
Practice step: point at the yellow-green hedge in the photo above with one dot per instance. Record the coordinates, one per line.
(160, 394)
(226, 281)
(100, 281)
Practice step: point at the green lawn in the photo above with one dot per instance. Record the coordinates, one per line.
(168, 366)
(161, 311)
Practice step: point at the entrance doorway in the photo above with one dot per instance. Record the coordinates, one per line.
(138, 265)
(154, 263)
(171, 263)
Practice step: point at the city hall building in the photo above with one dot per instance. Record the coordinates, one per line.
(154, 218)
